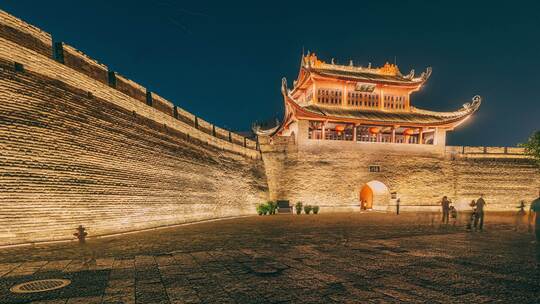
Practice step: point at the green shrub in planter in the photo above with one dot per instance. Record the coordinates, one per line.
(272, 207)
(298, 206)
(315, 209)
(261, 209)
(307, 209)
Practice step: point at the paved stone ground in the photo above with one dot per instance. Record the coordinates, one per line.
(328, 258)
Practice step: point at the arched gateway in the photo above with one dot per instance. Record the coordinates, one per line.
(374, 194)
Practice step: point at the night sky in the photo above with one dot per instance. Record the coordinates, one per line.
(224, 60)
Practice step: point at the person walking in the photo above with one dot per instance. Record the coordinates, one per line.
(470, 220)
(533, 213)
(479, 213)
(453, 215)
(519, 216)
(445, 203)
(397, 206)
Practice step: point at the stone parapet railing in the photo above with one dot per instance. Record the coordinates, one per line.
(486, 152)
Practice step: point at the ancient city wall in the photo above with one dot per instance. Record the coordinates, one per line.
(331, 173)
(80, 144)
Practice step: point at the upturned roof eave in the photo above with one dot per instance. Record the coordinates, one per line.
(452, 118)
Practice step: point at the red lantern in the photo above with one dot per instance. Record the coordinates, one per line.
(340, 128)
(408, 132)
(374, 130)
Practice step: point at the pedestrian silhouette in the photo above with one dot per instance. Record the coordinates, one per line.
(472, 216)
(445, 204)
(533, 215)
(519, 216)
(453, 215)
(479, 213)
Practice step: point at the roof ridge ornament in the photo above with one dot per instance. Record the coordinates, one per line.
(476, 101)
(259, 131)
(410, 75)
(284, 89)
(425, 75)
(389, 69)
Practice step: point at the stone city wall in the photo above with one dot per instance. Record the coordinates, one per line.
(331, 174)
(76, 149)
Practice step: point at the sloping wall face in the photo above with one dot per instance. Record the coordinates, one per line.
(77, 151)
(331, 175)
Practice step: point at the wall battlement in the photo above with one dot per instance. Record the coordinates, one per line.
(20, 34)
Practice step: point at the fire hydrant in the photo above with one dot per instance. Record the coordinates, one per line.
(81, 234)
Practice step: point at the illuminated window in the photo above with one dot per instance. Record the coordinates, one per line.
(329, 96)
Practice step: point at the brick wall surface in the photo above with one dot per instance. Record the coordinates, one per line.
(70, 159)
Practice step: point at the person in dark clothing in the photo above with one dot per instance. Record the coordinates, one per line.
(520, 216)
(453, 215)
(472, 215)
(479, 214)
(533, 213)
(397, 206)
(445, 203)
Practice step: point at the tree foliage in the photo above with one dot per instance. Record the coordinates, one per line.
(532, 146)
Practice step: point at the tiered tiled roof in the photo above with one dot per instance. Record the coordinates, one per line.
(388, 73)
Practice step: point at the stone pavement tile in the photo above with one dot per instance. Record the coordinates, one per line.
(148, 274)
(173, 280)
(165, 260)
(150, 292)
(55, 301)
(144, 261)
(59, 265)
(277, 295)
(203, 257)
(184, 259)
(101, 264)
(245, 295)
(181, 295)
(119, 299)
(27, 268)
(122, 274)
(123, 263)
(75, 266)
(400, 284)
(85, 300)
(120, 286)
(215, 297)
(476, 298)
(398, 295)
(6, 268)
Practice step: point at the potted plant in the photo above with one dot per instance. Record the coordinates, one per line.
(272, 207)
(260, 209)
(307, 209)
(315, 209)
(298, 207)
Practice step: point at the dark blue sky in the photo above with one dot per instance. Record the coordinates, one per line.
(223, 60)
